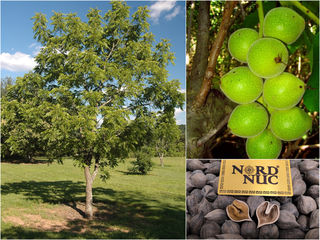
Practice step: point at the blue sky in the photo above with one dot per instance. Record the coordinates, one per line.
(18, 47)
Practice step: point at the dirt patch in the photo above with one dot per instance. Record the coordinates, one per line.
(114, 228)
(37, 222)
(69, 212)
(55, 219)
(13, 219)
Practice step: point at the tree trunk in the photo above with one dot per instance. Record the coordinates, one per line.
(204, 114)
(194, 78)
(189, 25)
(200, 59)
(214, 53)
(89, 180)
(161, 160)
(88, 210)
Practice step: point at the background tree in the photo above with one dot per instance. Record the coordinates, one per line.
(166, 135)
(21, 122)
(97, 84)
(5, 84)
(143, 162)
(209, 26)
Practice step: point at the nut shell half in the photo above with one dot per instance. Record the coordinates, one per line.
(267, 213)
(238, 211)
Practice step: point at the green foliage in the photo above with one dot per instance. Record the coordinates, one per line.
(312, 5)
(252, 19)
(166, 135)
(5, 84)
(96, 86)
(143, 163)
(311, 96)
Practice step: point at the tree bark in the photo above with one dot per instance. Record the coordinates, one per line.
(161, 160)
(89, 181)
(189, 25)
(214, 53)
(200, 59)
(206, 108)
(88, 210)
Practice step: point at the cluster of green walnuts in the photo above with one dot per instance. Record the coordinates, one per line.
(267, 95)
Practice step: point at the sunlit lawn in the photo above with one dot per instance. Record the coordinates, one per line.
(46, 201)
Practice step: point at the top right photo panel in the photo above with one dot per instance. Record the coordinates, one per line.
(252, 79)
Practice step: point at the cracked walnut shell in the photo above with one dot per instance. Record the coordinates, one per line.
(238, 211)
(267, 213)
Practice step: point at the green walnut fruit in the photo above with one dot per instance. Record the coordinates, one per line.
(264, 146)
(283, 91)
(240, 42)
(284, 24)
(267, 57)
(240, 85)
(248, 120)
(290, 124)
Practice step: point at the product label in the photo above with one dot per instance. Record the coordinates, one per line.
(255, 177)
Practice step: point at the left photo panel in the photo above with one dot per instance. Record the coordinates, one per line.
(93, 119)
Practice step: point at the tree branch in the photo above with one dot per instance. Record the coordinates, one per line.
(305, 10)
(113, 46)
(242, 12)
(210, 72)
(105, 103)
(212, 132)
(96, 168)
(261, 17)
(189, 26)
(200, 57)
(304, 147)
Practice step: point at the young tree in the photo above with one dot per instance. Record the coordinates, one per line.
(166, 135)
(143, 162)
(96, 85)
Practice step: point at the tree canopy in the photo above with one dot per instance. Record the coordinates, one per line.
(96, 88)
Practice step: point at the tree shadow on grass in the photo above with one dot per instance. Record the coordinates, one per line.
(119, 214)
(134, 173)
(20, 160)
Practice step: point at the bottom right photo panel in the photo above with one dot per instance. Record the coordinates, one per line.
(252, 199)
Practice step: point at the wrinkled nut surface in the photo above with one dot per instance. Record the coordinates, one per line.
(238, 211)
(267, 213)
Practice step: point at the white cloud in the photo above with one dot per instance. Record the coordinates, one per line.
(17, 62)
(180, 116)
(160, 6)
(174, 13)
(36, 48)
(178, 111)
(182, 90)
(32, 45)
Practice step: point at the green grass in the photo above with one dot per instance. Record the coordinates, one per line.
(127, 206)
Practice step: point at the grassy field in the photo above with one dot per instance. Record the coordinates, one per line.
(47, 201)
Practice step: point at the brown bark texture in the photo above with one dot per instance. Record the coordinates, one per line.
(88, 210)
(201, 55)
(214, 53)
(208, 118)
(189, 24)
(89, 181)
